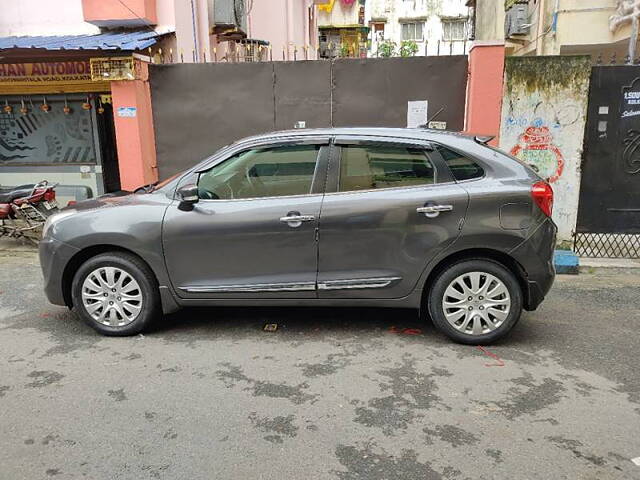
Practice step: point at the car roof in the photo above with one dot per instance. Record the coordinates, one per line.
(407, 133)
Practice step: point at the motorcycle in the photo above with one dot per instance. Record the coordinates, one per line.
(25, 209)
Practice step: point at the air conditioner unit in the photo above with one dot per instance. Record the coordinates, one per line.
(516, 21)
(227, 14)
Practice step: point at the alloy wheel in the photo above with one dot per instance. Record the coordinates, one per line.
(476, 303)
(112, 296)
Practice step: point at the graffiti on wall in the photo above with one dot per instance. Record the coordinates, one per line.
(537, 150)
(535, 143)
(543, 117)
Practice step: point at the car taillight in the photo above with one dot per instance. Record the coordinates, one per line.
(50, 195)
(542, 194)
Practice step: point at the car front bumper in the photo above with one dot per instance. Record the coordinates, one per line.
(54, 258)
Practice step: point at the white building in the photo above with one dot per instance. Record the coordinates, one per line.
(438, 27)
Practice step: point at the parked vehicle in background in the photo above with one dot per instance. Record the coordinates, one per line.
(413, 218)
(24, 210)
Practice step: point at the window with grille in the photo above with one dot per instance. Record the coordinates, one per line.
(454, 30)
(412, 31)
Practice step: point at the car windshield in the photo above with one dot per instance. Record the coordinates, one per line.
(166, 181)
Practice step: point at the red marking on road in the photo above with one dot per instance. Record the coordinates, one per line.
(45, 315)
(492, 355)
(412, 331)
(406, 331)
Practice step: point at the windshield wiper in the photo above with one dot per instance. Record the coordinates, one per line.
(150, 187)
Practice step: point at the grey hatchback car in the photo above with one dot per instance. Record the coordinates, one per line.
(412, 218)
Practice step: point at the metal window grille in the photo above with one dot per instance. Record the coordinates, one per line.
(454, 30)
(607, 245)
(412, 31)
(112, 68)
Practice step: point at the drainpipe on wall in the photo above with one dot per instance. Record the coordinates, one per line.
(195, 33)
(289, 25)
(540, 28)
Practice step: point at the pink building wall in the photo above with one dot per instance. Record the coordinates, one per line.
(120, 12)
(135, 135)
(484, 90)
(287, 24)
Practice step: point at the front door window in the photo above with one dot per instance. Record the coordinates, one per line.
(261, 172)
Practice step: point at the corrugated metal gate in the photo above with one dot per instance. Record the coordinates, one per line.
(609, 211)
(198, 108)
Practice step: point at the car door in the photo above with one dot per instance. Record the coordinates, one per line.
(252, 233)
(390, 207)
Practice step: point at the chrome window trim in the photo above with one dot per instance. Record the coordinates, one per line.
(256, 287)
(253, 199)
(223, 154)
(414, 187)
(379, 282)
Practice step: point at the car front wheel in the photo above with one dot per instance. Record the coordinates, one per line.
(475, 301)
(116, 294)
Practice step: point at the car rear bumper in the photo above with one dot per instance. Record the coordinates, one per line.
(535, 256)
(54, 257)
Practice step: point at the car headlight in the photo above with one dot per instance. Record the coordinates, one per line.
(56, 217)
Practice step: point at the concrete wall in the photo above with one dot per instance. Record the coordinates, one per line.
(118, 13)
(431, 12)
(43, 17)
(286, 25)
(64, 17)
(567, 27)
(543, 117)
(489, 20)
(340, 14)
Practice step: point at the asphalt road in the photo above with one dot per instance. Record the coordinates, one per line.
(332, 394)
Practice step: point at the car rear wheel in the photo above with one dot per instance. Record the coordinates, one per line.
(116, 294)
(475, 301)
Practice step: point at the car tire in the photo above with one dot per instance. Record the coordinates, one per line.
(475, 301)
(116, 293)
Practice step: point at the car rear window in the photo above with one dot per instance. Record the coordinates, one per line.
(462, 168)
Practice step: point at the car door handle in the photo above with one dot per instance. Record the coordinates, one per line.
(432, 211)
(296, 220)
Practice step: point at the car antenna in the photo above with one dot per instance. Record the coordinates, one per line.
(426, 125)
(484, 139)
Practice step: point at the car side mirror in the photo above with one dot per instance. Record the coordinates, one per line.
(188, 194)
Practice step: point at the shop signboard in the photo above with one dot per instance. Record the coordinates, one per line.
(49, 77)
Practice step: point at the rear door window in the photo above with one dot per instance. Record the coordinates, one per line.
(370, 167)
(462, 168)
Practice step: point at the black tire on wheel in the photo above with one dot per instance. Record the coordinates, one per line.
(141, 273)
(436, 299)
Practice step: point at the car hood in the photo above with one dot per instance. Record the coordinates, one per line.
(104, 201)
